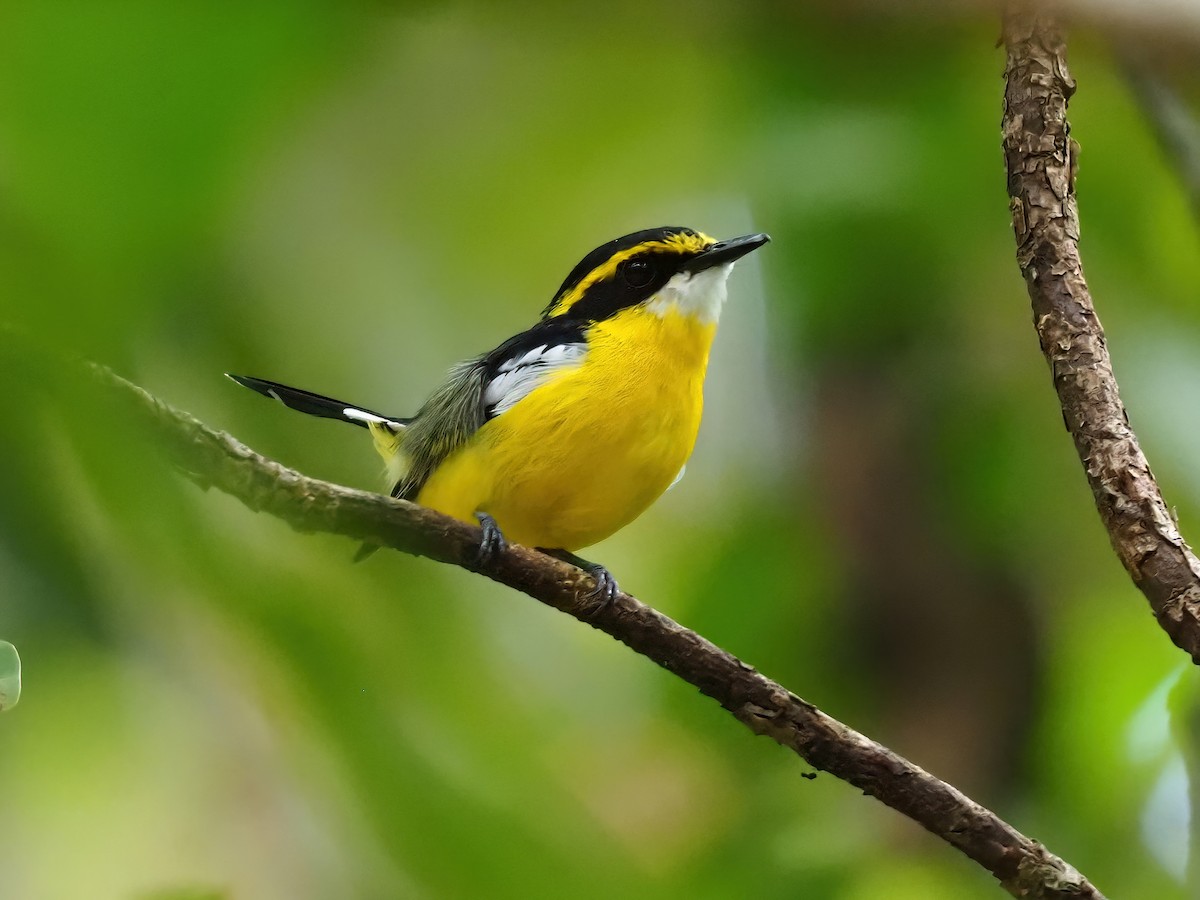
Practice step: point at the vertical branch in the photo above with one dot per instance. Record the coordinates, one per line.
(1040, 157)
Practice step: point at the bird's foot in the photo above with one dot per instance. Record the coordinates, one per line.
(606, 588)
(492, 543)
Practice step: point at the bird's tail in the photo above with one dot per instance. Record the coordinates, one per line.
(386, 430)
(317, 405)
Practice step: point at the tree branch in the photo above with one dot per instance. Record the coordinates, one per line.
(1041, 156)
(1023, 866)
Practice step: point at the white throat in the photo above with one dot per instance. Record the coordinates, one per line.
(700, 295)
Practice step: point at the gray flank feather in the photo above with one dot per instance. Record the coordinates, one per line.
(446, 421)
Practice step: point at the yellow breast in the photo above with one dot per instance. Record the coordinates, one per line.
(587, 452)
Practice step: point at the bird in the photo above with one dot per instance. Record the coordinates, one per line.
(568, 431)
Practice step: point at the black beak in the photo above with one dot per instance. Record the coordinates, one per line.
(725, 252)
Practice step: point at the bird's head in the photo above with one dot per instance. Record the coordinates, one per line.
(669, 268)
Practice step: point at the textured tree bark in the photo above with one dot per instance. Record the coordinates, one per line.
(214, 459)
(1041, 157)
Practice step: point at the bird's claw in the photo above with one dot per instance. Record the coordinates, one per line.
(602, 593)
(492, 542)
(605, 590)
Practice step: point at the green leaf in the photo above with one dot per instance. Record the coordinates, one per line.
(10, 676)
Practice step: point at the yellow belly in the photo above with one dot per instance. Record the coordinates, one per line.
(586, 453)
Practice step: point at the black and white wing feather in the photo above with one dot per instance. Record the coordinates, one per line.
(516, 377)
(525, 362)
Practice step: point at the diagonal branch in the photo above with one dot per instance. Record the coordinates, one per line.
(1040, 156)
(1024, 867)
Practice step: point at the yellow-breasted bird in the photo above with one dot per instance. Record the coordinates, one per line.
(568, 431)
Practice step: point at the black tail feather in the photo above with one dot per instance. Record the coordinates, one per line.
(316, 404)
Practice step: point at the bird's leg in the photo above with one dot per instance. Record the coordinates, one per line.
(606, 586)
(492, 544)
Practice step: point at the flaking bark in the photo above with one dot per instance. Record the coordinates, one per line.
(1041, 157)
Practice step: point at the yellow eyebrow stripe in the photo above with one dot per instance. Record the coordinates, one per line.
(676, 243)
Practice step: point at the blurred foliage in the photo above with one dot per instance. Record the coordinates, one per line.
(10, 676)
(883, 512)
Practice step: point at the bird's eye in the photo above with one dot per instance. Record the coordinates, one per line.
(638, 273)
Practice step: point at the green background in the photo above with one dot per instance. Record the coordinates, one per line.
(883, 512)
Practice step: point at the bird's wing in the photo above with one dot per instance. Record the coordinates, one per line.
(517, 376)
(481, 389)
(522, 363)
